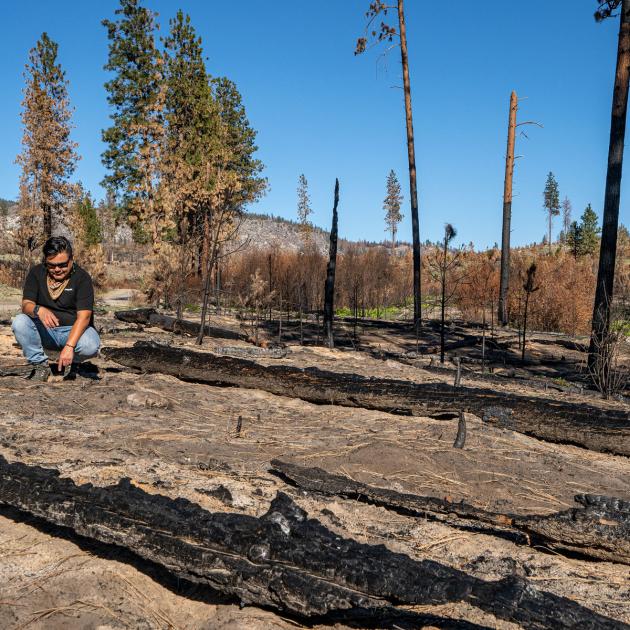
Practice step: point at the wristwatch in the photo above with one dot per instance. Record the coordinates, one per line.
(36, 310)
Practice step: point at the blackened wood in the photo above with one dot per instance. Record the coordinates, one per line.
(150, 317)
(329, 286)
(413, 183)
(282, 559)
(599, 529)
(610, 223)
(585, 425)
(460, 440)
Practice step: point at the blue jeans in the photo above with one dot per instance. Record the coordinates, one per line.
(33, 337)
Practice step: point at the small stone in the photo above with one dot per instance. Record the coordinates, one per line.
(142, 399)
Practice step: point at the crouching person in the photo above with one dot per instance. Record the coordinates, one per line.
(57, 312)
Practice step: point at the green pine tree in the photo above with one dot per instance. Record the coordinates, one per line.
(240, 142)
(191, 116)
(589, 232)
(574, 239)
(392, 204)
(92, 233)
(134, 94)
(551, 199)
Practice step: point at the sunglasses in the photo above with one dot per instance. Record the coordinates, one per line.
(61, 265)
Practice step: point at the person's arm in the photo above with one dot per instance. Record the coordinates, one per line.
(29, 302)
(66, 356)
(47, 317)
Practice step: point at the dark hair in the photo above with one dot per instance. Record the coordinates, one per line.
(57, 244)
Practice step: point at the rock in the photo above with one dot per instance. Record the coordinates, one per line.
(144, 399)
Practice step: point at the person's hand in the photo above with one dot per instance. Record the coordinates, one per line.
(47, 317)
(65, 357)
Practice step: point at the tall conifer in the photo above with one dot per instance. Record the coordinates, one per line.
(391, 205)
(48, 156)
(135, 94)
(551, 202)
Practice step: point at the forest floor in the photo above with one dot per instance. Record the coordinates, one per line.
(179, 439)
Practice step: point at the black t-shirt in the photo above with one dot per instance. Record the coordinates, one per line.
(77, 296)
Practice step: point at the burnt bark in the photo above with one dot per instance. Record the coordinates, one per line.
(150, 317)
(599, 529)
(507, 213)
(610, 225)
(283, 559)
(329, 287)
(581, 424)
(413, 183)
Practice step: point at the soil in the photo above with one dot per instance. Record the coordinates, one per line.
(180, 439)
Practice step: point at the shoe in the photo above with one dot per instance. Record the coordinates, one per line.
(40, 373)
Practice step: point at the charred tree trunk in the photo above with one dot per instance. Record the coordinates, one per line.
(507, 213)
(329, 287)
(524, 326)
(443, 302)
(150, 317)
(283, 559)
(413, 184)
(608, 247)
(599, 529)
(605, 430)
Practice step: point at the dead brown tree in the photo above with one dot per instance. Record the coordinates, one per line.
(507, 211)
(507, 207)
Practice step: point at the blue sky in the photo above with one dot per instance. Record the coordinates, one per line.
(321, 111)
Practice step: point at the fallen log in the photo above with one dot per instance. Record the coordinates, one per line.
(580, 424)
(282, 559)
(150, 317)
(600, 529)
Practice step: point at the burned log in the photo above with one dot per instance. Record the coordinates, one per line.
(282, 559)
(600, 529)
(150, 317)
(581, 424)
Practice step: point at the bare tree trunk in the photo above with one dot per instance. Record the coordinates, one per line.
(280, 318)
(47, 217)
(204, 306)
(270, 286)
(301, 325)
(217, 286)
(507, 212)
(443, 300)
(549, 236)
(483, 341)
(211, 255)
(413, 185)
(356, 312)
(329, 287)
(608, 247)
(524, 326)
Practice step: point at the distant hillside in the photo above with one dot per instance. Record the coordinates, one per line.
(5, 206)
(269, 232)
(257, 230)
(265, 232)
